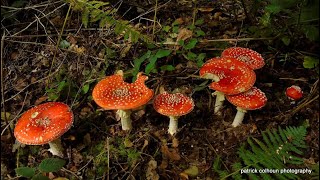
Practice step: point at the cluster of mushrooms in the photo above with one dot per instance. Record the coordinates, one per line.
(233, 78)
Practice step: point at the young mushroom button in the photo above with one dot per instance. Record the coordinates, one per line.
(173, 105)
(294, 92)
(113, 93)
(231, 76)
(252, 58)
(43, 124)
(249, 100)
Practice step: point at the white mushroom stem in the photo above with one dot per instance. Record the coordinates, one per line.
(125, 119)
(173, 125)
(56, 148)
(239, 117)
(219, 102)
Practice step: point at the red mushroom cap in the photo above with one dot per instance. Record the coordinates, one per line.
(175, 104)
(43, 123)
(252, 99)
(114, 93)
(294, 92)
(235, 76)
(252, 58)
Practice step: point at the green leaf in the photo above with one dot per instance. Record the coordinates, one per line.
(190, 56)
(51, 164)
(162, 53)
(137, 63)
(64, 44)
(85, 88)
(167, 68)
(311, 32)
(273, 8)
(200, 33)
(200, 59)
(285, 40)
(191, 44)
(199, 21)
(61, 86)
(151, 65)
(25, 171)
(310, 62)
(166, 28)
(85, 17)
(40, 177)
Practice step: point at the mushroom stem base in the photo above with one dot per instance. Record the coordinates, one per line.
(125, 119)
(56, 148)
(239, 117)
(173, 125)
(219, 102)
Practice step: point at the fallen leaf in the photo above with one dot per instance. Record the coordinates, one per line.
(205, 9)
(40, 100)
(175, 142)
(5, 116)
(127, 142)
(184, 34)
(14, 55)
(145, 144)
(20, 84)
(151, 173)
(184, 176)
(71, 39)
(192, 171)
(171, 153)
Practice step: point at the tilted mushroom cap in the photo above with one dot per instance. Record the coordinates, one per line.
(294, 92)
(249, 100)
(175, 104)
(43, 123)
(252, 58)
(235, 76)
(114, 93)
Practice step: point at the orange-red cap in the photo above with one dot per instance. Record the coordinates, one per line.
(249, 100)
(114, 93)
(43, 123)
(294, 92)
(234, 76)
(252, 58)
(175, 104)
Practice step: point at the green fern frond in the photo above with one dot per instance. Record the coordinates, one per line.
(102, 12)
(276, 151)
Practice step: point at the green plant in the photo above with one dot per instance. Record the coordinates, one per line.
(46, 166)
(102, 12)
(276, 152)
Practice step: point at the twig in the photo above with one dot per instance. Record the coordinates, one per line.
(39, 18)
(58, 42)
(2, 89)
(154, 19)
(13, 119)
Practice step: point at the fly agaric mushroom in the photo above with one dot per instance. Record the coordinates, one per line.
(173, 105)
(252, 58)
(294, 92)
(43, 124)
(114, 93)
(231, 76)
(249, 100)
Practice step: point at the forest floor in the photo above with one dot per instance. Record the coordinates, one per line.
(35, 70)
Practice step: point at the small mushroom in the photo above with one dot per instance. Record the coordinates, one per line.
(231, 77)
(113, 93)
(173, 105)
(43, 124)
(249, 100)
(252, 58)
(294, 92)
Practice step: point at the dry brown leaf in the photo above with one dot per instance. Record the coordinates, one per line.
(184, 176)
(14, 55)
(184, 34)
(205, 9)
(171, 153)
(71, 39)
(175, 142)
(145, 144)
(217, 15)
(40, 100)
(20, 84)
(179, 21)
(151, 173)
